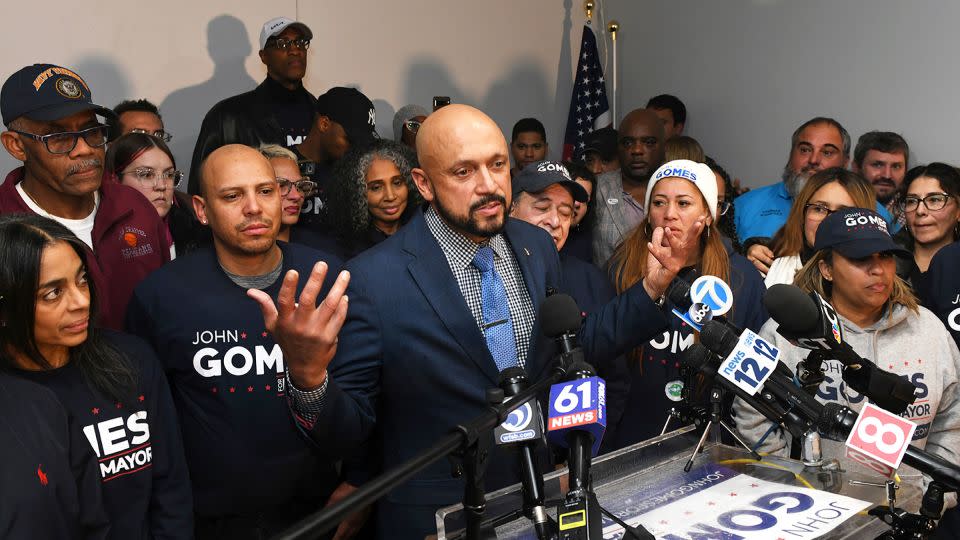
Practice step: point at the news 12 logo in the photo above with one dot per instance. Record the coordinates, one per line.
(578, 405)
(711, 297)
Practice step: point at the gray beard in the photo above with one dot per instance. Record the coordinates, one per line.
(794, 181)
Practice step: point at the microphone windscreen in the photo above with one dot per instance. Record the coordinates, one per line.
(559, 314)
(679, 294)
(511, 373)
(718, 338)
(793, 309)
(695, 357)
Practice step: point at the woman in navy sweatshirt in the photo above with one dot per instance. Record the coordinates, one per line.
(110, 384)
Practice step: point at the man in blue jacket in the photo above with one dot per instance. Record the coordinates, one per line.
(439, 309)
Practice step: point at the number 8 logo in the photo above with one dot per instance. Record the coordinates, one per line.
(879, 431)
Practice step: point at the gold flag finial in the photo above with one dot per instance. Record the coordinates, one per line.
(613, 27)
(588, 7)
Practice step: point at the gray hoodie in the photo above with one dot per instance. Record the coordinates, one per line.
(910, 344)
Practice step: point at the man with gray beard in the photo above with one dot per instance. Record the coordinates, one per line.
(52, 128)
(817, 144)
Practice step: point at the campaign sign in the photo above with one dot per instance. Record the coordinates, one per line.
(714, 292)
(881, 435)
(577, 405)
(521, 425)
(714, 502)
(751, 363)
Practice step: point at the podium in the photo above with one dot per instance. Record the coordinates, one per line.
(631, 480)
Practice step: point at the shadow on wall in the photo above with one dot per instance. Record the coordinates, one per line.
(520, 93)
(564, 86)
(428, 77)
(108, 85)
(228, 45)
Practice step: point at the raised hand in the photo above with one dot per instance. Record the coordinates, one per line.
(305, 331)
(761, 256)
(668, 252)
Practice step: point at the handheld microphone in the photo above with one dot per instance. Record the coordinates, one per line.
(523, 428)
(810, 322)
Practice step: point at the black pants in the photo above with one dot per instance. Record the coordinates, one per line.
(256, 526)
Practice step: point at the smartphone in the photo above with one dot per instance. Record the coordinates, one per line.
(440, 101)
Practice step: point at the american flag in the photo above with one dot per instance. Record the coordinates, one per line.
(589, 109)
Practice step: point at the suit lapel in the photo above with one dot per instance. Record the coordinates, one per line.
(430, 270)
(534, 277)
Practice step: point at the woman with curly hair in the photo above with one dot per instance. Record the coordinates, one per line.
(372, 196)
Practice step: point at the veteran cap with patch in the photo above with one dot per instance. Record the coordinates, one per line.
(45, 92)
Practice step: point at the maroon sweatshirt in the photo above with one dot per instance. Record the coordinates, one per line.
(129, 242)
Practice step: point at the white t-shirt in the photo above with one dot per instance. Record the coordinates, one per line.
(783, 270)
(83, 228)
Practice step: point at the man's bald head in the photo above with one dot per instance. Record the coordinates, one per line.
(640, 144)
(240, 200)
(464, 170)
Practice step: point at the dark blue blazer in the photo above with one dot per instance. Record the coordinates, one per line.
(412, 362)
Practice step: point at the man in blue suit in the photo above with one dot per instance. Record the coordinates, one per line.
(438, 310)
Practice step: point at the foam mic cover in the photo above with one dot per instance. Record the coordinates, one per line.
(793, 309)
(679, 294)
(559, 315)
(718, 338)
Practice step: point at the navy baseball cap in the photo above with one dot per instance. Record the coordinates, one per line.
(352, 110)
(602, 141)
(538, 176)
(45, 92)
(856, 233)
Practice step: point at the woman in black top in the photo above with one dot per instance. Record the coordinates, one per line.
(110, 384)
(372, 197)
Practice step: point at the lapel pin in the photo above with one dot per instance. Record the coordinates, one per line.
(527, 251)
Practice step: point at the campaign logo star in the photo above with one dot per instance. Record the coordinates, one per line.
(906, 363)
(95, 410)
(243, 335)
(754, 485)
(264, 334)
(732, 494)
(267, 387)
(232, 389)
(249, 389)
(141, 398)
(214, 389)
(119, 405)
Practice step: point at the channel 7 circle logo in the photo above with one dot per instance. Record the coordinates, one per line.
(713, 292)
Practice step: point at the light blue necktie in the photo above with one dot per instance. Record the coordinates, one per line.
(497, 326)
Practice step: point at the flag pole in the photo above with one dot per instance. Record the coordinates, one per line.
(613, 28)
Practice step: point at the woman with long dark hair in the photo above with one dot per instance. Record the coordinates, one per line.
(146, 164)
(681, 197)
(110, 383)
(372, 197)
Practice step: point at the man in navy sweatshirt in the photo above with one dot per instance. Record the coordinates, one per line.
(253, 472)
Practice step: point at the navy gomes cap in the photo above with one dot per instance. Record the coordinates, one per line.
(45, 92)
(538, 176)
(856, 233)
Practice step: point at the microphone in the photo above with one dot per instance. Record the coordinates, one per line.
(523, 428)
(810, 322)
(577, 418)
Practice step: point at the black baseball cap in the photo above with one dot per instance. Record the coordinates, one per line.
(856, 233)
(602, 141)
(46, 92)
(538, 176)
(352, 110)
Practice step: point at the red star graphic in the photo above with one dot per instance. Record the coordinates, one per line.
(141, 398)
(119, 405)
(906, 363)
(249, 389)
(663, 362)
(95, 410)
(676, 365)
(890, 367)
(919, 360)
(264, 334)
(267, 387)
(754, 485)
(214, 389)
(243, 335)
(732, 494)
(232, 389)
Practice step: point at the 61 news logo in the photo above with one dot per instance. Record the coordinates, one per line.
(578, 405)
(879, 439)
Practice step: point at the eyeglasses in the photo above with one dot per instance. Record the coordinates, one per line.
(164, 136)
(723, 206)
(413, 125)
(304, 186)
(933, 202)
(284, 44)
(66, 141)
(149, 177)
(818, 211)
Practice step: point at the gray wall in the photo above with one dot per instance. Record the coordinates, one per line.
(751, 71)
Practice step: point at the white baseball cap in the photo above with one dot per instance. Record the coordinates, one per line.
(279, 24)
(700, 174)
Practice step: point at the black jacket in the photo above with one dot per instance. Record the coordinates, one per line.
(246, 118)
